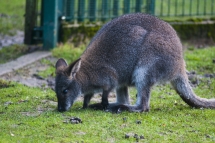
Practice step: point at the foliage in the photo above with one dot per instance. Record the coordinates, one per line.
(195, 31)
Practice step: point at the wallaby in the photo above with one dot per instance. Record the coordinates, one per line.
(131, 50)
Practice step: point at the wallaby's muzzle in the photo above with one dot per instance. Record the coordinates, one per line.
(63, 108)
(60, 109)
(63, 105)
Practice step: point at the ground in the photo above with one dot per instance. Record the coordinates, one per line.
(29, 112)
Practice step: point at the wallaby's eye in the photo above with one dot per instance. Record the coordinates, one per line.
(65, 91)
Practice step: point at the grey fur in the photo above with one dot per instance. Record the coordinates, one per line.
(134, 49)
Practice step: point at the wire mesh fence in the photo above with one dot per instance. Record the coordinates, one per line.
(102, 10)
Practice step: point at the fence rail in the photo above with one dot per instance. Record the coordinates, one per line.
(102, 10)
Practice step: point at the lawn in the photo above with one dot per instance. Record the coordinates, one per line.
(30, 115)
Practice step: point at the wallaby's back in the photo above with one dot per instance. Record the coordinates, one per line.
(132, 41)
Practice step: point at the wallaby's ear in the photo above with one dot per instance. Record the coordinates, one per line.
(74, 67)
(60, 63)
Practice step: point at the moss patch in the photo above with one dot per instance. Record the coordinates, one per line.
(194, 29)
(78, 35)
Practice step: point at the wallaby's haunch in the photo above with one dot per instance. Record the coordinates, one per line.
(132, 50)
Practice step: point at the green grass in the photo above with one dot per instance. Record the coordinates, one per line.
(50, 71)
(200, 60)
(30, 115)
(68, 52)
(14, 16)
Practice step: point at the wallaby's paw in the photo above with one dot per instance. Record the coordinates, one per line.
(97, 106)
(117, 108)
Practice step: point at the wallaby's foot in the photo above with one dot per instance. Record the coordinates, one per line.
(120, 108)
(117, 108)
(97, 106)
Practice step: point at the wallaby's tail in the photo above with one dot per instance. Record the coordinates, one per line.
(185, 91)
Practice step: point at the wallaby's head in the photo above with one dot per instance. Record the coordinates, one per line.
(67, 88)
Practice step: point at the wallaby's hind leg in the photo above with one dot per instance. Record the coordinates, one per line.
(142, 103)
(122, 99)
(143, 82)
(87, 99)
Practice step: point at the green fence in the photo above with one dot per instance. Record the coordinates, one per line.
(50, 13)
(102, 10)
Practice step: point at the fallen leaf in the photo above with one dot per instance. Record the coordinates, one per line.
(12, 134)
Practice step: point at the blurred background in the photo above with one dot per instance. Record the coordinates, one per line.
(49, 22)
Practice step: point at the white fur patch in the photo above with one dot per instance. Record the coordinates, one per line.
(139, 75)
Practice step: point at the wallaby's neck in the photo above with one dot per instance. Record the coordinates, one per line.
(84, 81)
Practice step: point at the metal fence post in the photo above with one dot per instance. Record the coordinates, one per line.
(104, 10)
(50, 23)
(30, 20)
(60, 18)
(126, 6)
(92, 10)
(70, 11)
(81, 9)
(138, 5)
(115, 8)
(150, 8)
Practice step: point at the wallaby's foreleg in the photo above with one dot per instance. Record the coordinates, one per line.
(87, 99)
(105, 98)
(122, 95)
(104, 103)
